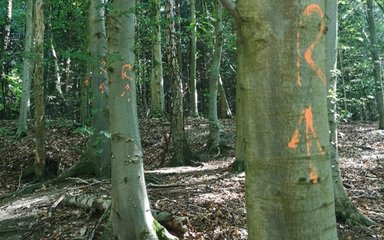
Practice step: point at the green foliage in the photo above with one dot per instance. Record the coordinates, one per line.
(356, 88)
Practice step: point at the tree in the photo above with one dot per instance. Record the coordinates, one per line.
(99, 145)
(182, 152)
(376, 63)
(157, 81)
(130, 212)
(6, 59)
(22, 126)
(286, 147)
(40, 161)
(214, 140)
(344, 208)
(192, 76)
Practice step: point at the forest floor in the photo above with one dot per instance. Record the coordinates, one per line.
(209, 195)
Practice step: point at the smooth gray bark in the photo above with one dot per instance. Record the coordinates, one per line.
(25, 101)
(281, 59)
(214, 140)
(192, 76)
(99, 145)
(130, 212)
(157, 81)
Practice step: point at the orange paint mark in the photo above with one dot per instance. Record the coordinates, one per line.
(309, 10)
(313, 177)
(307, 117)
(127, 87)
(126, 68)
(294, 140)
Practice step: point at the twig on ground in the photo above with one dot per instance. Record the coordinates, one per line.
(99, 222)
(21, 174)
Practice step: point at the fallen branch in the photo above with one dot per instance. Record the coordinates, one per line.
(103, 203)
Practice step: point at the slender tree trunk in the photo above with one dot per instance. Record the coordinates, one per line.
(344, 208)
(214, 140)
(284, 125)
(84, 97)
(376, 63)
(40, 164)
(224, 111)
(99, 145)
(22, 126)
(6, 59)
(130, 212)
(182, 152)
(157, 81)
(192, 81)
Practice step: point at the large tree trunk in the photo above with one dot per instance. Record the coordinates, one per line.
(214, 140)
(281, 58)
(182, 152)
(376, 63)
(99, 145)
(157, 82)
(130, 212)
(40, 165)
(193, 111)
(22, 126)
(6, 59)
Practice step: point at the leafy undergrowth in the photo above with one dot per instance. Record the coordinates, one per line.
(209, 195)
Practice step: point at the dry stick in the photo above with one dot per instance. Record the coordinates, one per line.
(98, 223)
(21, 174)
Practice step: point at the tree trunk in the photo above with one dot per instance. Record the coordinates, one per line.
(214, 140)
(6, 59)
(224, 111)
(99, 144)
(182, 152)
(344, 208)
(157, 81)
(40, 164)
(281, 59)
(84, 97)
(22, 126)
(192, 78)
(56, 67)
(376, 63)
(130, 212)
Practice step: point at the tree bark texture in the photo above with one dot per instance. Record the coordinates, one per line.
(282, 88)
(99, 145)
(182, 152)
(157, 80)
(6, 59)
(40, 163)
(214, 140)
(130, 212)
(192, 76)
(22, 126)
(377, 71)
